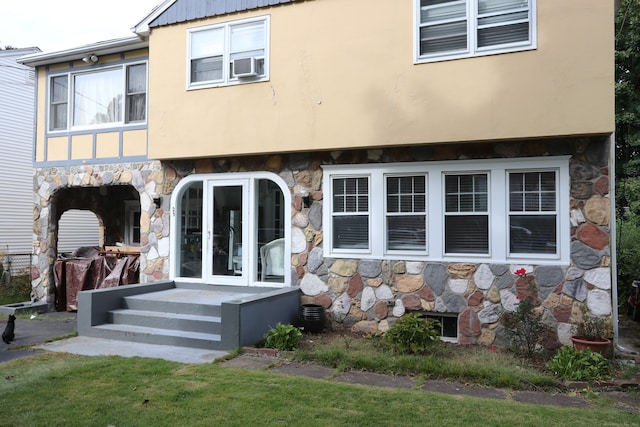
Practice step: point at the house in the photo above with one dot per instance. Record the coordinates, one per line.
(17, 100)
(404, 158)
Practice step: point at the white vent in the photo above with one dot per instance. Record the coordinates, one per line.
(244, 67)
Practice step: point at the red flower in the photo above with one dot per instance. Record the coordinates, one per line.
(493, 348)
(521, 272)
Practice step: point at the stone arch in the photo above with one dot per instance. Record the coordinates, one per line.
(103, 191)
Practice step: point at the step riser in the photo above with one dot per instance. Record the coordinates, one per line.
(172, 307)
(155, 339)
(212, 326)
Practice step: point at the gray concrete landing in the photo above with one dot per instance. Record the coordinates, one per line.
(90, 346)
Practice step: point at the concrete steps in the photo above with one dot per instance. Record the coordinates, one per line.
(190, 315)
(178, 317)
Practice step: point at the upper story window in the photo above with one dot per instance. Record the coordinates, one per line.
(109, 96)
(495, 210)
(230, 53)
(449, 29)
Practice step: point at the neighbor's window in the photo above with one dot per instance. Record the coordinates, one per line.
(231, 53)
(533, 212)
(448, 29)
(98, 98)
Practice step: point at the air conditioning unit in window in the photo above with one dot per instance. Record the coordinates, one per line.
(245, 67)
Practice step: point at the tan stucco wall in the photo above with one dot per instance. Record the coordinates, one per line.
(108, 144)
(58, 148)
(81, 147)
(353, 83)
(134, 143)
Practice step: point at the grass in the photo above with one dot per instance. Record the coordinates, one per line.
(18, 290)
(473, 364)
(60, 389)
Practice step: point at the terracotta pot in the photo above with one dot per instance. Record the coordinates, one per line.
(599, 346)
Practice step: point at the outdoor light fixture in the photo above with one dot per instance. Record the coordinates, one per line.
(90, 59)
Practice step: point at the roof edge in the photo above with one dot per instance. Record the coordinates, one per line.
(101, 48)
(142, 27)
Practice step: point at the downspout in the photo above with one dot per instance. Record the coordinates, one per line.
(613, 244)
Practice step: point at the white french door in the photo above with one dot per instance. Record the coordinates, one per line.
(230, 230)
(227, 232)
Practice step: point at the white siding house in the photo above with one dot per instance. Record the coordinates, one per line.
(17, 105)
(17, 118)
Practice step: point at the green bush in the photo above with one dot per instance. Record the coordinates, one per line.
(413, 334)
(579, 365)
(524, 327)
(283, 337)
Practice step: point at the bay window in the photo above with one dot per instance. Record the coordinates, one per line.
(448, 29)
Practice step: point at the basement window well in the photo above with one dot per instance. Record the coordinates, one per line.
(448, 325)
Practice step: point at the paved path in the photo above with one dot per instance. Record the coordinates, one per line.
(40, 329)
(272, 364)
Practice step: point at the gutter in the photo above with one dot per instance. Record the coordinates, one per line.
(613, 246)
(74, 54)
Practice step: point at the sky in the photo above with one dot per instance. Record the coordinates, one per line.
(54, 25)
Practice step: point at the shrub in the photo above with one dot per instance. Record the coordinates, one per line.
(579, 365)
(523, 327)
(283, 337)
(413, 334)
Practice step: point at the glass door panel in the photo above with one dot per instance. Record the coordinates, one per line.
(227, 225)
(270, 225)
(190, 226)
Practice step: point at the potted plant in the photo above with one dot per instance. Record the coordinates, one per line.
(593, 332)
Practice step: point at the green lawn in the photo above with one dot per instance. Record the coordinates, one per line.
(69, 390)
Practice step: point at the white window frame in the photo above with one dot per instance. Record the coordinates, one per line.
(70, 76)
(131, 211)
(472, 25)
(497, 170)
(473, 213)
(227, 79)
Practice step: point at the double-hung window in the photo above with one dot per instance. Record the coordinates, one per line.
(406, 212)
(378, 211)
(448, 29)
(495, 210)
(533, 212)
(109, 96)
(350, 212)
(229, 53)
(466, 217)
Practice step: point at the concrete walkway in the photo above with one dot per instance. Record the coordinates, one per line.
(273, 364)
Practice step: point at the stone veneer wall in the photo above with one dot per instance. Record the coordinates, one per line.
(148, 178)
(369, 295)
